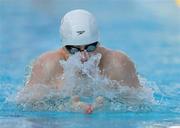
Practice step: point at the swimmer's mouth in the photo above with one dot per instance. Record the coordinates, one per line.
(80, 73)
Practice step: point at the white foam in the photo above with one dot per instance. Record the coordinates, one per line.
(84, 79)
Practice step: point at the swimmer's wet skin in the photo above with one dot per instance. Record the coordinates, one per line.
(81, 36)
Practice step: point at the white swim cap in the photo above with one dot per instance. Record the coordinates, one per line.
(78, 27)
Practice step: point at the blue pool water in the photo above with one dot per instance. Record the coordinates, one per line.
(148, 31)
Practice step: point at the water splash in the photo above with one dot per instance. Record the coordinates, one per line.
(80, 78)
(86, 81)
(84, 78)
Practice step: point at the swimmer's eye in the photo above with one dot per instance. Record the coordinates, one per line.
(89, 48)
(72, 50)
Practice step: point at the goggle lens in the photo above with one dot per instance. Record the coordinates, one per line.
(89, 48)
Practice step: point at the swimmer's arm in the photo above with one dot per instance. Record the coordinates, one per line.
(39, 73)
(46, 71)
(40, 78)
(123, 70)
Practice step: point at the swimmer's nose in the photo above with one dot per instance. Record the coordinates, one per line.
(84, 56)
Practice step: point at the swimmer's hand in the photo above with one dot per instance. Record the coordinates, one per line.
(87, 108)
(79, 105)
(99, 103)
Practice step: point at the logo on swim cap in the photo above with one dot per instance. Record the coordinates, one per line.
(80, 32)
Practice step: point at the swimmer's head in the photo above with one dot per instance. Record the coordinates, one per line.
(78, 27)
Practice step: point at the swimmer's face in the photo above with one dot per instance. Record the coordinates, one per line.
(86, 50)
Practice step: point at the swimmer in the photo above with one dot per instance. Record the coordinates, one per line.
(79, 34)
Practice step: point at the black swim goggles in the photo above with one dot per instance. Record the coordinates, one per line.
(74, 49)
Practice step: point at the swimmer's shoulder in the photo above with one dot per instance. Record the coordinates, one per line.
(45, 67)
(109, 54)
(49, 60)
(51, 56)
(122, 67)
